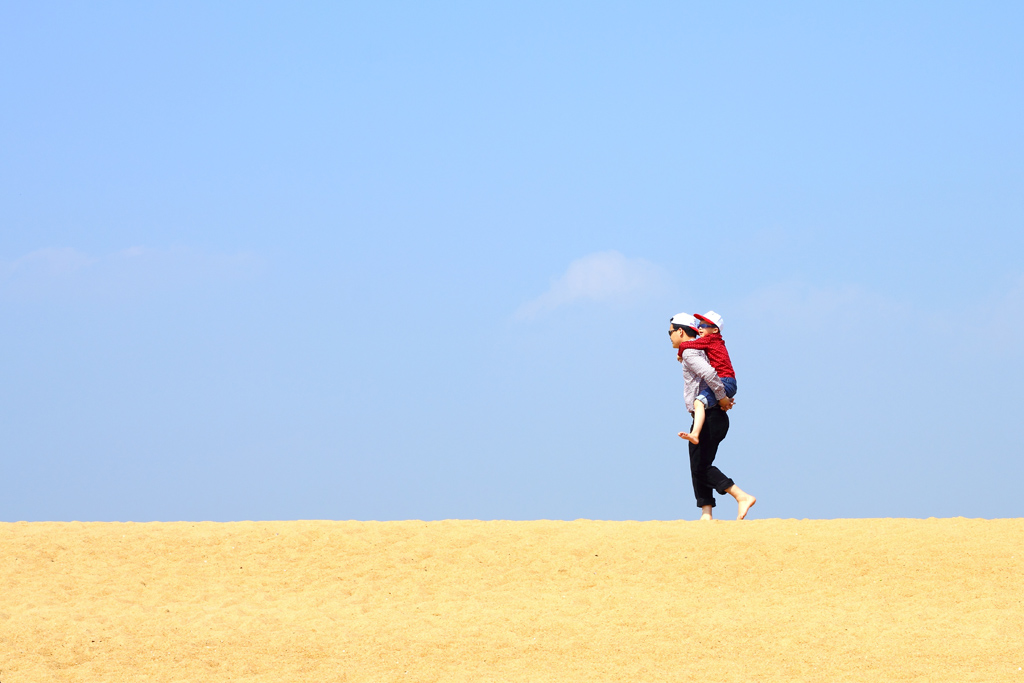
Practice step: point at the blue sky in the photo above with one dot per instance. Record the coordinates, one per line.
(398, 261)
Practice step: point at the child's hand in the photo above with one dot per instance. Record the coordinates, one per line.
(726, 403)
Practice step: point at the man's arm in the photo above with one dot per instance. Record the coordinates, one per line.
(699, 365)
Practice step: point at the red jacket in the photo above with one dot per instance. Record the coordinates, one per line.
(718, 355)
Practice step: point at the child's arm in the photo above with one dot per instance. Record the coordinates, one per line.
(702, 343)
(699, 365)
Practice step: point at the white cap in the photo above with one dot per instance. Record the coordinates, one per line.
(711, 318)
(684, 319)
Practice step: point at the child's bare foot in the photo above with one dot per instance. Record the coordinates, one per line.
(689, 437)
(745, 503)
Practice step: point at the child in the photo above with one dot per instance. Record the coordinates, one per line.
(710, 341)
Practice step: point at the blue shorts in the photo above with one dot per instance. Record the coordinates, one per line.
(707, 397)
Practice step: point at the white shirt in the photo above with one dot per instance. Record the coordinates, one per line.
(697, 374)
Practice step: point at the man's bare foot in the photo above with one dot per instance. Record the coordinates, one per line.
(745, 503)
(705, 517)
(689, 437)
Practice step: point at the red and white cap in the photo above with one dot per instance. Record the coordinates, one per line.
(711, 318)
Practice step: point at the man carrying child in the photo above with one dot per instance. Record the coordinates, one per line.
(706, 392)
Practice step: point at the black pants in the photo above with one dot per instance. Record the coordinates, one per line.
(704, 474)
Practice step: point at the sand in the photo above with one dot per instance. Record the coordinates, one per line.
(759, 600)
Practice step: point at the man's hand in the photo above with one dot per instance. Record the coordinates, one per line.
(726, 403)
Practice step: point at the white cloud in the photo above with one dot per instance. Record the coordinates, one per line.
(858, 308)
(603, 277)
(1004, 317)
(58, 262)
(793, 302)
(65, 272)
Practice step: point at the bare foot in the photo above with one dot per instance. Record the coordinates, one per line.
(705, 517)
(745, 503)
(689, 437)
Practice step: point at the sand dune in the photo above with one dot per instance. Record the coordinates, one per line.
(764, 600)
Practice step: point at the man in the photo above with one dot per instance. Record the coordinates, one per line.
(698, 374)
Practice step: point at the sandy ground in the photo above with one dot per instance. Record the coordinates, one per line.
(761, 600)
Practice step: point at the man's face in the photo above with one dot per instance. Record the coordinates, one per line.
(676, 336)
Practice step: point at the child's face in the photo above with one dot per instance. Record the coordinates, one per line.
(705, 330)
